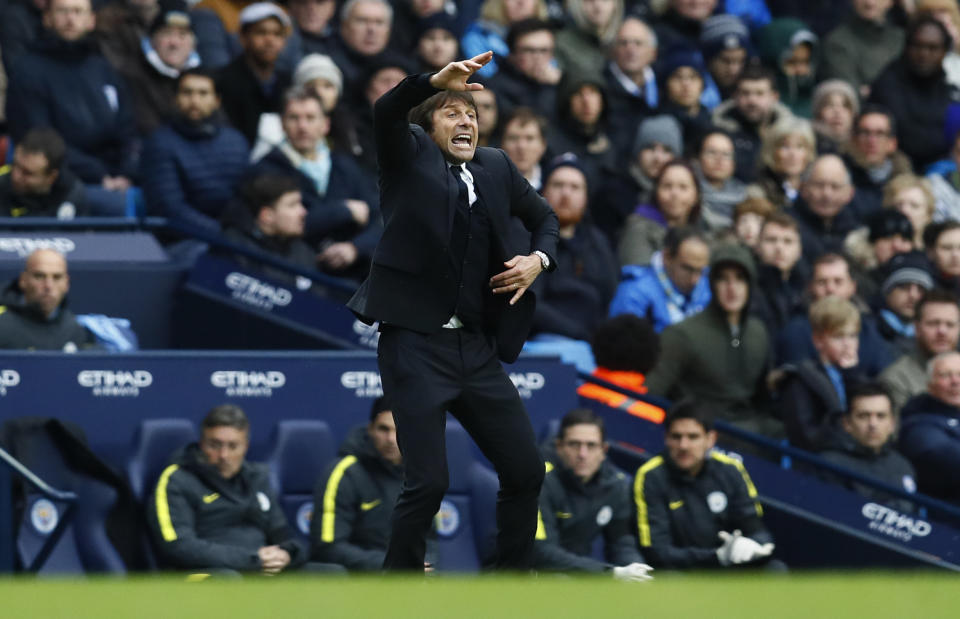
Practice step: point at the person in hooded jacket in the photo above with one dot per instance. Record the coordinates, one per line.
(33, 308)
(355, 496)
(722, 354)
(792, 50)
(581, 126)
(214, 510)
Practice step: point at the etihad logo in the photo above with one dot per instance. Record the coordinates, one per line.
(363, 384)
(8, 380)
(23, 246)
(252, 291)
(527, 382)
(240, 383)
(894, 524)
(120, 383)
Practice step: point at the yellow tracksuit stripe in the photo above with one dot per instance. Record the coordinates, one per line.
(751, 489)
(643, 522)
(330, 498)
(163, 507)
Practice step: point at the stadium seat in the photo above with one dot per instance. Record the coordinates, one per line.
(456, 523)
(154, 442)
(300, 450)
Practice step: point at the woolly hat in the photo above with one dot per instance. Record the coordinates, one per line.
(909, 268)
(317, 66)
(663, 129)
(722, 32)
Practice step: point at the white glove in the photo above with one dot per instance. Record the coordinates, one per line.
(635, 572)
(737, 549)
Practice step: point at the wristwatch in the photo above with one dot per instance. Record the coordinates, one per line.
(544, 259)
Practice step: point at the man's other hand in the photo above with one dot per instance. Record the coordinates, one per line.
(273, 559)
(520, 273)
(635, 572)
(454, 76)
(338, 256)
(359, 211)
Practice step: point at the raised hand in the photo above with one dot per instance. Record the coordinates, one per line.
(454, 76)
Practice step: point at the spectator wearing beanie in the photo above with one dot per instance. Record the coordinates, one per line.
(658, 140)
(682, 81)
(888, 233)
(835, 106)
(792, 50)
(436, 43)
(907, 280)
(725, 44)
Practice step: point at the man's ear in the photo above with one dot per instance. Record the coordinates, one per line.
(711, 439)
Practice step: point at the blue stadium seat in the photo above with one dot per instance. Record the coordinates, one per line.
(484, 486)
(154, 441)
(301, 448)
(455, 522)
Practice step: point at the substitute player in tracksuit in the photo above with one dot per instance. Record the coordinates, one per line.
(584, 497)
(354, 499)
(697, 508)
(213, 510)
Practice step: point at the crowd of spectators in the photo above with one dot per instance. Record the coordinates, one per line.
(773, 185)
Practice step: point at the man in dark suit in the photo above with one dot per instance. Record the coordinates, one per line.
(448, 308)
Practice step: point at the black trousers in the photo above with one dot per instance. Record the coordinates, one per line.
(455, 370)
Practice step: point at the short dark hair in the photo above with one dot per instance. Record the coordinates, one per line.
(300, 93)
(626, 343)
(525, 27)
(779, 218)
(866, 389)
(677, 235)
(380, 405)
(879, 110)
(581, 416)
(265, 189)
(47, 142)
(525, 116)
(931, 234)
(200, 71)
(688, 408)
(710, 132)
(754, 72)
(927, 19)
(423, 114)
(936, 295)
(829, 258)
(680, 163)
(228, 415)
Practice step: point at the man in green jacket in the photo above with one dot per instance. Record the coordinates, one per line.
(858, 50)
(722, 354)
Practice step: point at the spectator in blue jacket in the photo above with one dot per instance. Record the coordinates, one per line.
(673, 286)
(342, 213)
(64, 83)
(191, 166)
(831, 277)
(930, 431)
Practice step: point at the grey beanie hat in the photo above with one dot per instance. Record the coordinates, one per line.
(318, 66)
(661, 129)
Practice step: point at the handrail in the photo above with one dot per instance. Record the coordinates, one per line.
(65, 496)
(792, 452)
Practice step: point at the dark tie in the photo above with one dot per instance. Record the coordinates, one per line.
(463, 195)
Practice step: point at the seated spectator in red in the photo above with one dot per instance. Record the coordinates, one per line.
(930, 429)
(937, 325)
(341, 211)
(525, 142)
(574, 299)
(168, 49)
(722, 354)
(869, 446)
(914, 88)
(782, 277)
(529, 75)
(625, 349)
(813, 392)
(33, 308)
(676, 202)
(585, 498)
(823, 210)
(253, 84)
(698, 508)
(268, 216)
(65, 83)
(907, 279)
(830, 276)
(192, 165)
(37, 184)
(365, 27)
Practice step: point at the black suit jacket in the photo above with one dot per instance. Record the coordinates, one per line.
(412, 281)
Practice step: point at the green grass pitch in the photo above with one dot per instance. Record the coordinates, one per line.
(906, 595)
